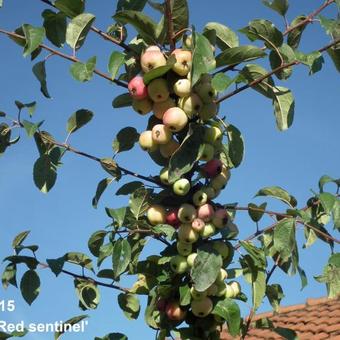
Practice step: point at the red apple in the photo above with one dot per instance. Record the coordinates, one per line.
(205, 212)
(172, 218)
(137, 88)
(212, 168)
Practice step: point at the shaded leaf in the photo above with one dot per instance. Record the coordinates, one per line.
(284, 237)
(19, 239)
(139, 202)
(279, 6)
(256, 212)
(88, 294)
(96, 240)
(78, 119)
(79, 259)
(313, 60)
(39, 71)
(71, 321)
(117, 214)
(111, 167)
(279, 194)
(121, 256)
(129, 304)
(55, 26)
(122, 100)
(71, 8)
(184, 295)
(31, 262)
(164, 229)
(31, 128)
(30, 286)
(56, 265)
(101, 187)
(9, 276)
(83, 71)
(282, 55)
(274, 294)
(34, 37)
(115, 62)
(129, 188)
(136, 5)
(284, 106)
(221, 82)
(125, 139)
(225, 37)
(294, 36)
(44, 173)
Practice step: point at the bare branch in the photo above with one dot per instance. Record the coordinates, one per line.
(168, 14)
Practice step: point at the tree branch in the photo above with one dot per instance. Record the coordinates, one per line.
(168, 15)
(261, 79)
(68, 147)
(65, 56)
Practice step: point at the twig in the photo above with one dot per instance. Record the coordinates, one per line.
(65, 56)
(168, 15)
(261, 79)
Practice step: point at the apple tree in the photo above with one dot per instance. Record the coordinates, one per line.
(177, 77)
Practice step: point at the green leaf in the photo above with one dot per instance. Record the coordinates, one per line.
(183, 160)
(30, 286)
(235, 145)
(313, 60)
(282, 55)
(9, 276)
(284, 105)
(230, 311)
(34, 37)
(113, 336)
(278, 193)
(19, 239)
(286, 333)
(236, 55)
(125, 139)
(39, 71)
(101, 187)
(136, 5)
(166, 230)
(180, 15)
(258, 289)
(56, 265)
(143, 24)
(139, 202)
(31, 128)
(284, 237)
(78, 119)
(31, 262)
(294, 36)
(79, 259)
(44, 173)
(117, 214)
(111, 167)
(1, 3)
(55, 27)
(184, 295)
(329, 25)
(83, 71)
(253, 72)
(221, 82)
(116, 61)
(121, 256)
(256, 212)
(88, 294)
(203, 60)
(96, 240)
(274, 294)
(334, 53)
(206, 267)
(122, 100)
(129, 304)
(225, 37)
(310, 236)
(78, 29)
(327, 201)
(71, 321)
(5, 137)
(257, 254)
(336, 214)
(159, 71)
(303, 277)
(279, 6)
(327, 179)
(29, 106)
(129, 188)
(264, 30)
(71, 8)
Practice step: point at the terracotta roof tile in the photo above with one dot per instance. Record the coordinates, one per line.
(317, 319)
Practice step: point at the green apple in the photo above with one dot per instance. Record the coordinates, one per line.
(156, 214)
(222, 248)
(160, 108)
(236, 287)
(221, 289)
(161, 134)
(213, 134)
(181, 187)
(186, 213)
(208, 230)
(196, 295)
(220, 218)
(206, 92)
(182, 87)
(207, 152)
(143, 106)
(222, 275)
(158, 90)
(208, 111)
(184, 248)
(174, 311)
(152, 58)
(212, 290)
(209, 191)
(178, 264)
(219, 181)
(183, 62)
(191, 259)
(229, 293)
(146, 142)
(175, 119)
(199, 198)
(168, 149)
(187, 234)
(202, 308)
(191, 105)
(164, 175)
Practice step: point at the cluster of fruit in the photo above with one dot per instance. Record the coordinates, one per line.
(175, 103)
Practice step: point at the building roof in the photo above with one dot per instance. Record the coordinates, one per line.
(315, 320)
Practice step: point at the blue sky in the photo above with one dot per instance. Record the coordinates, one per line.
(64, 219)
